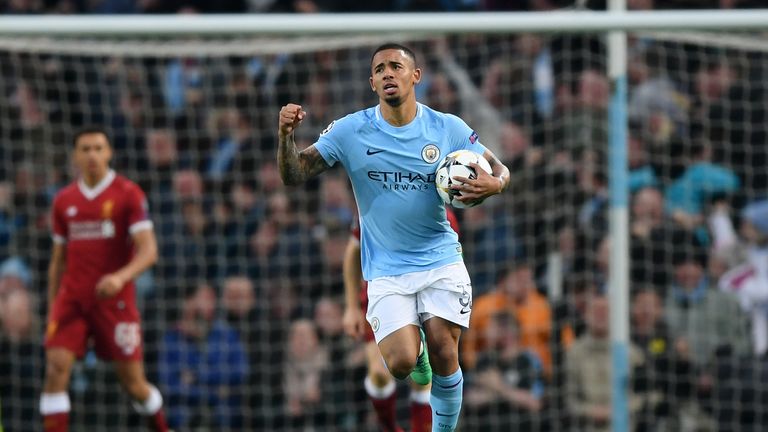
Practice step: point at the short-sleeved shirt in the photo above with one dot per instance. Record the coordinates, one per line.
(402, 219)
(96, 224)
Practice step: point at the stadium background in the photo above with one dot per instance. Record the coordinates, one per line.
(263, 262)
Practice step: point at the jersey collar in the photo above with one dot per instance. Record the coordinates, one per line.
(92, 192)
(379, 117)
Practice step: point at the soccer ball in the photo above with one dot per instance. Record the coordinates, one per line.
(457, 164)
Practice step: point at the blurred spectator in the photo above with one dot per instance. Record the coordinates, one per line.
(652, 233)
(162, 160)
(268, 178)
(14, 275)
(731, 113)
(238, 302)
(506, 389)
(491, 243)
(569, 313)
(584, 118)
(529, 62)
(702, 181)
(534, 204)
(236, 152)
(588, 373)
(337, 207)
(18, 317)
(670, 372)
(709, 321)
(23, 7)
(348, 363)
(452, 88)
(280, 238)
(641, 172)
(656, 102)
(306, 362)
(29, 205)
(185, 247)
(21, 346)
(202, 366)
(183, 83)
(187, 186)
(247, 312)
(442, 95)
(711, 330)
(31, 113)
(515, 292)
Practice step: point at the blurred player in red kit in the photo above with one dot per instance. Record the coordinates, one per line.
(379, 383)
(102, 239)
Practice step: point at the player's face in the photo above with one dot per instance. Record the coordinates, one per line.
(92, 154)
(393, 75)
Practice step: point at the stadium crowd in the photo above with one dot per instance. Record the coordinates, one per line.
(242, 314)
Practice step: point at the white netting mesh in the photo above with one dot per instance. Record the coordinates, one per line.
(193, 122)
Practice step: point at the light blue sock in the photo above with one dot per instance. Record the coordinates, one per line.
(446, 401)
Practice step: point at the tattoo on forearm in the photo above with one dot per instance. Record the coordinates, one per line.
(296, 167)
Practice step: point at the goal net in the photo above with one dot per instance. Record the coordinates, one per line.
(193, 122)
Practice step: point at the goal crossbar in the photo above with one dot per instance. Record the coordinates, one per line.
(425, 23)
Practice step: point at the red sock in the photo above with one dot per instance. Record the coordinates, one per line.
(421, 417)
(56, 422)
(157, 421)
(385, 412)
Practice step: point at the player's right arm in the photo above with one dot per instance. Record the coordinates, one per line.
(354, 322)
(55, 270)
(295, 166)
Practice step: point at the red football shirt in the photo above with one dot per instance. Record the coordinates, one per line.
(96, 224)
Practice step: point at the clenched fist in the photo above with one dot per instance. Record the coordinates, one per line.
(291, 116)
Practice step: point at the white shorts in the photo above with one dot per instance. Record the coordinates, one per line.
(412, 298)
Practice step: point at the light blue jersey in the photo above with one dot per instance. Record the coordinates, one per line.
(403, 227)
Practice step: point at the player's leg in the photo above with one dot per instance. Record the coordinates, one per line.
(400, 349)
(54, 402)
(147, 399)
(445, 308)
(421, 411)
(447, 378)
(66, 336)
(117, 338)
(395, 323)
(380, 387)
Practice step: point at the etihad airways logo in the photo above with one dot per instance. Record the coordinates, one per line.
(403, 180)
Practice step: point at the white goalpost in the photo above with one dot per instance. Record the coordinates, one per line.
(179, 90)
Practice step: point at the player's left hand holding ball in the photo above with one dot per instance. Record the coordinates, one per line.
(109, 285)
(476, 190)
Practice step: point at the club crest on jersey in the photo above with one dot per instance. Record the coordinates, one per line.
(71, 211)
(430, 153)
(328, 128)
(106, 209)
